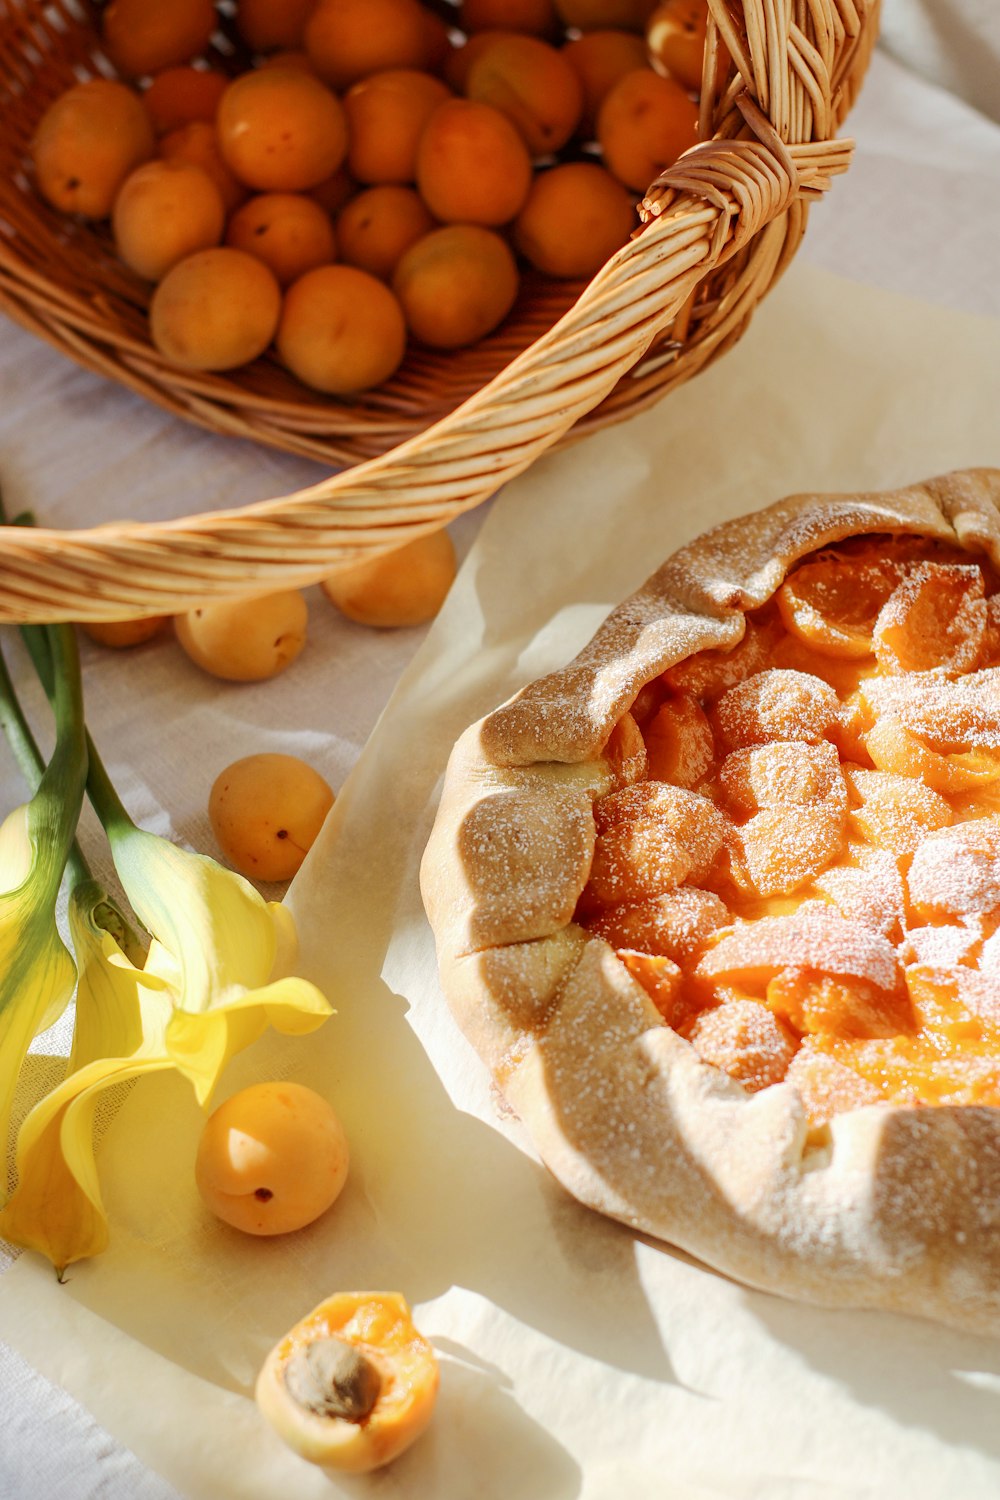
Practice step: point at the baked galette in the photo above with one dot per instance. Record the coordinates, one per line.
(718, 904)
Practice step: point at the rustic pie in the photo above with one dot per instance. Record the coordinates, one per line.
(718, 904)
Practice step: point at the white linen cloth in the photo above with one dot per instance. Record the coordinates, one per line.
(904, 219)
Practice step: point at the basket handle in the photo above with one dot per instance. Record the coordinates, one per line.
(699, 214)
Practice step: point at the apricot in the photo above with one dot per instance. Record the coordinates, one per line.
(644, 125)
(287, 231)
(352, 1385)
(456, 285)
(281, 130)
(165, 211)
(198, 144)
(333, 192)
(215, 310)
(832, 603)
(597, 15)
(532, 17)
(533, 85)
(472, 165)
(179, 95)
(266, 811)
(248, 639)
(386, 114)
(143, 38)
(679, 742)
(267, 25)
(576, 217)
(775, 705)
(675, 36)
(378, 226)
(348, 39)
(461, 57)
(120, 635)
(271, 1158)
(404, 587)
(600, 59)
(934, 620)
(86, 144)
(745, 1040)
(341, 330)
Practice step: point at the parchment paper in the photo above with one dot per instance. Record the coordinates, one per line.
(578, 1359)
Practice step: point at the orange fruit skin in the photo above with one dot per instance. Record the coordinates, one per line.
(456, 285)
(472, 165)
(198, 144)
(600, 58)
(86, 144)
(143, 38)
(280, 130)
(386, 115)
(287, 231)
(266, 812)
(576, 217)
(533, 85)
(348, 39)
(644, 125)
(378, 226)
(404, 587)
(267, 25)
(215, 310)
(164, 211)
(179, 95)
(675, 35)
(341, 330)
(598, 15)
(247, 639)
(531, 17)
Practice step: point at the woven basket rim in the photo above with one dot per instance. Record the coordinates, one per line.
(721, 226)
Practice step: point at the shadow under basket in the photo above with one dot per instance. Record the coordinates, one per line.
(718, 228)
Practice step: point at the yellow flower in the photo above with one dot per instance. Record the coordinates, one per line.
(205, 991)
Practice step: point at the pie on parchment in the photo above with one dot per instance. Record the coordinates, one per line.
(718, 904)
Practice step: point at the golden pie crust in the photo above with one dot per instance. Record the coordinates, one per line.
(888, 1206)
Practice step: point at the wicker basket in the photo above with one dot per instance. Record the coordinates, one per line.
(449, 429)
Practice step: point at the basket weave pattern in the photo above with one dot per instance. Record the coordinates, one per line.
(719, 228)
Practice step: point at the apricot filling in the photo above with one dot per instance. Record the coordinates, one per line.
(803, 870)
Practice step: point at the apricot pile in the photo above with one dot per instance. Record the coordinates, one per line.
(376, 172)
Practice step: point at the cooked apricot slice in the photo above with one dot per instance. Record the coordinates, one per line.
(775, 705)
(956, 872)
(353, 1384)
(893, 747)
(813, 1001)
(786, 773)
(675, 925)
(708, 674)
(828, 1087)
(951, 716)
(755, 952)
(625, 753)
(634, 861)
(745, 1040)
(832, 604)
(934, 620)
(870, 892)
(689, 819)
(942, 944)
(662, 980)
(894, 812)
(784, 847)
(679, 742)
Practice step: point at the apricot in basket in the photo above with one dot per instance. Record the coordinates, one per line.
(341, 330)
(289, 232)
(86, 144)
(378, 226)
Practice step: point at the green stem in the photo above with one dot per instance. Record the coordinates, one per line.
(31, 762)
(100, 789)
